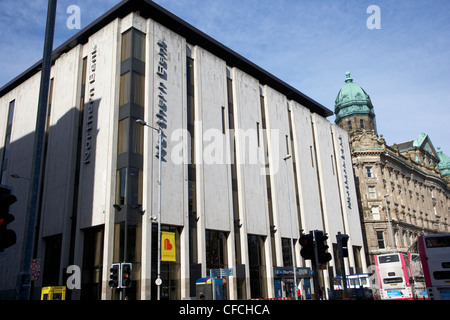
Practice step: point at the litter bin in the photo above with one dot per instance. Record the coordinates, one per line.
(204, 289)
(53, 293)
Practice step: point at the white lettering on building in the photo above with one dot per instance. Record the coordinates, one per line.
(347, 187)
(162, 92)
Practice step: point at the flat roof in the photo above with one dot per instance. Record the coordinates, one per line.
(149, 9)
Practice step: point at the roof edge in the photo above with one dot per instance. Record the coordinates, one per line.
(149, 9)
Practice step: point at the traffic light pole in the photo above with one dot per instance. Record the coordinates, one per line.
(314, 248)
(344, 276)
(24, 278)
(339, 238)
(120, 277)
(315, 268)
(292, 232)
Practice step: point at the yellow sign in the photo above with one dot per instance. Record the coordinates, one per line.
(168, 246)
(53, 293)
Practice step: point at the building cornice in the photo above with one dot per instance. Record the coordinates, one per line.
(381, 149)
(417, 169)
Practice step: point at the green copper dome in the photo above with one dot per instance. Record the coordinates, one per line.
(444, 163)
(352, 100)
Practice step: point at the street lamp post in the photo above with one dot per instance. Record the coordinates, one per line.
(23, 284)
(158, 277)
(292, 233)
(389, 222)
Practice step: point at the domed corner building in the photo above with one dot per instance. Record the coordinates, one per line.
(353, 108)
(444, 164)
(411, 179)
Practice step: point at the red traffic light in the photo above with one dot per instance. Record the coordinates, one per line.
(6, 219)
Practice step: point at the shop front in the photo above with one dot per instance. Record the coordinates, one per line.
(284, 282)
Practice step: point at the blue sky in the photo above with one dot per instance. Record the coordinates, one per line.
(404, 66)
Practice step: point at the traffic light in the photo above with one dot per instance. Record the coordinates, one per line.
(126, 275)
(321, 244)
(342, 240)
(307, 243)
(7, 237)
(114, 274)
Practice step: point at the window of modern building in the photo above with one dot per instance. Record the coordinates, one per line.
(223, 119)
(91, 281)
(129, 182)
(358, 262)
(193, 242)
(265, 138)
(121, 186)
(11, 112)
(287, 144)
(332, 165)
(119, 240)
(137, 140)
(6, 151)
(138, 45)
(123, 136)
(125, 81)
(216, 249)
(52, 260)
(133, 45)
(136, 183)
(126, 45)
(287, 252)
(190, 96)
(257, 266)
(138, 89)
(234, 184)
(7, 145)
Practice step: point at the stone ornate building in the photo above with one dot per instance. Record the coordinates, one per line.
(409, 180)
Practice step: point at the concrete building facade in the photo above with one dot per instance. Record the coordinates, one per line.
(230, 197)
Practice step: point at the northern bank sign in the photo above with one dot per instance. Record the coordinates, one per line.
(90, 108)
(288, 272)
